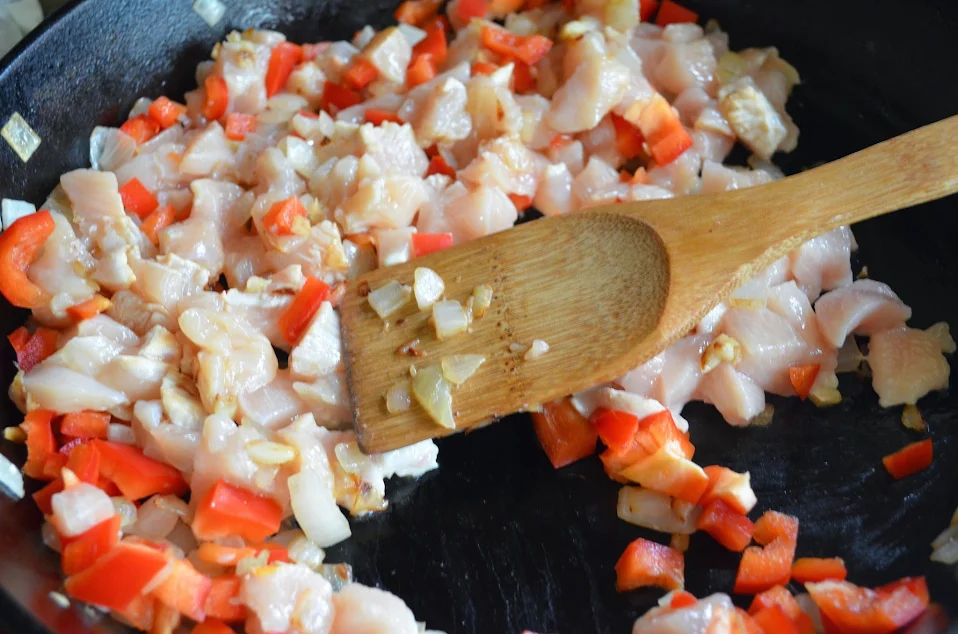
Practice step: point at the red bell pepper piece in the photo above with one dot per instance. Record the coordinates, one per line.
(229, 510)
(282, 61)
(140, 128)
(141, 613)
(763, 568)
(628, 139)
(32, 349)
(138, 199)
(521, 202)
(528, 49)
(733, 488)
(646, 563)
(280, 218)
(523, 80)
(434, 44)
(85, 424)
(185, 590)
(20, 244)
(682, 599)
(221, 601)
(565, 435)
(43, 497)
(673, 13)
(312, 51)
(238, 125)
(166, 112)
(466, 10)
(136, 475)
(421, 70)
(802, 378)
(295, 320)
(616, 429)
(423, 243)
(909, 460)
(89, 308)
(41, 445)
(217, 98)
(212, 626)
(360, 74)
(82, 551)
(773, 525)
(726, 526)
(339, 96)
(377, 116)
(118, 577)
(664, 133)
(438, 165)
(160, 219)
(854, 610)
(774, 620)
(84, 462)
(647, 9)
(483, 68)
(416, 12)
(810, 569)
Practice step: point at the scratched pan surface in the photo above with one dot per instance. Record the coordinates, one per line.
(497, 541)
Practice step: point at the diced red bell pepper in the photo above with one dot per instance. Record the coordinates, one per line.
(160, 219)
(41, 445)
(664, 133)
(667, 473)
(53, 466)
(166, 112)
(312, 51)
(659, 430)
(20, 244)
(89, 308)
(763, 568)
(523, 79)
(773, 620)
(810, 569)
(528, 49)
(628, 139)
(682, 599)
(227, 510)
(416, 12)
(646, 563)
(217, 98)
(483, 68)
(438, 165)
(212, 626)
(140, 613)
(360, 74)
(85, 424)
(281, 217)
(339, 96)
(119, 576)
(185, 590)
(434, 44)
(33, 348)
(647, 9)
(137, 199)
(565, 435)
(82, 551)
(616, 429)
(423, 243)
(802, 378)
(773, 525)
(466, 10)
(673, 13)
(521, 202)
(733, 488)
(854, 610)
(726, 525)
(296, 319)
(909, 460)
(136, 475)
(84, 462)
(43, 497)
(238, 125)
(140, 128)
(221, 601)
(376, 116)
(282, 61)
(421, 70)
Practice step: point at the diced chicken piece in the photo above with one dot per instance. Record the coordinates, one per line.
(181, 402)
(160, 344)
(681, 372)
(261, 310)
(733, 394)
(712, 136)
(135, 313)
(535, 131)
(478, 212)
(328, 400)
(600, 142)
(686, 65)
(63, 390)
(307, 80)
(62, 269)
(199, 238)
(163, 440)
(394, 246)
(571, 154)
(718, 178)
(389, 51)
(682, 33)
(98, 210)
(823, 263)
(752, 117)
(906, 364)
(681, 176)
(208, 153)
(788, 300)
(288, 598)
(699, 618)
(554, 195)
(357, 114)
(243, 65)
(113, 272)
(86, 355)
(597, 176)
(234, 357)
(639, 406)
(865, 307)
(647, 43)
(335, 181)
(363, 610)
(107, 327)
(642, 379)
(383, 203)
(507, 164)
(273, 405)
(492, 105)
(139, 378)
(168, 279)
(597, 85)
(647, 192)
(690, 104)
(394, 148)
(440, 116)
(157, 163)
(319, 352)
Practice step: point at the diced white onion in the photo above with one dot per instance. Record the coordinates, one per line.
(11, 478)
(110, 148)
(398, 398)
(338, 575)
(413, 35)
(12, 210)
(457, 368)
(428, 287)
(142, 105)
(849, 356)
(911, 418)
(267, 453)
(449, 318)
(363, 37)
(300, 155)
(80, 508)
(536, 350)
(210, 10)
(59, 599)
(316, 510)
(649, 509)
(434, 393)
(247, 565)
(126, 510)
(157, 517)
(305, 552)
(389, 298)
(117, 432)
(50, 536)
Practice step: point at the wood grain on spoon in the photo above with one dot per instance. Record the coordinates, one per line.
(607, 288)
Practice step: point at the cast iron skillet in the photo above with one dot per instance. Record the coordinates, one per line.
(497, 541)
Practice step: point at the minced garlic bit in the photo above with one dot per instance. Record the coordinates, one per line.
(680, 542)
(517, 347)
(825, 396)
(398, 398)
(449, 318)
(210, 10)
(15, 434)
(536, 350)
(723, 349)
(911, 418)
(267, 453)
(481, 299)
(20, 136)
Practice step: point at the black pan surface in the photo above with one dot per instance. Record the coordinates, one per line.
(496, 541)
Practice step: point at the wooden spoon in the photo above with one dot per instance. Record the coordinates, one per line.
(608, 288)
